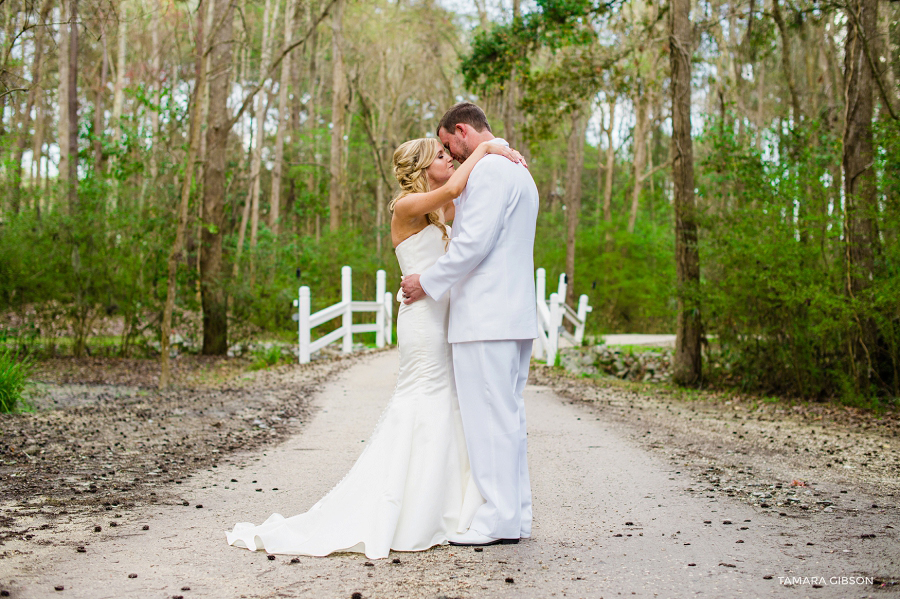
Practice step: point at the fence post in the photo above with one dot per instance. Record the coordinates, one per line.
(540, 292)
(303, 324)
(563, 285)
(347, 299)
(537, 350)
(541, 287)
(553, 329)
(380, 284)
(583, 310)
(388, 317)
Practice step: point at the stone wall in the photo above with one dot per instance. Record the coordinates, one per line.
(651, 365)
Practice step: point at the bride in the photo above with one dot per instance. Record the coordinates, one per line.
(411, 488)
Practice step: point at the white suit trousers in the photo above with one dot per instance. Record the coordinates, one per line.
(490, 380)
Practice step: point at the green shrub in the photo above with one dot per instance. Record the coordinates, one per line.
(14, 375)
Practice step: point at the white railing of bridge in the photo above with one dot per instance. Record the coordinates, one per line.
(382, 306)
(551, 313)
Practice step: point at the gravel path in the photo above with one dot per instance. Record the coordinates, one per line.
(611, 519)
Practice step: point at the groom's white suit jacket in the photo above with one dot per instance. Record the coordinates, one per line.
(489, 266)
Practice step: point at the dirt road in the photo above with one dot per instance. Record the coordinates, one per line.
(611, 519)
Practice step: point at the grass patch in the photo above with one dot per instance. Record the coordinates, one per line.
(97, 345)
(653, 389)
(267, 358)
(640, 349)
(68, 342)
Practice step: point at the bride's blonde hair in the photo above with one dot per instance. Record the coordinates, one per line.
(410, 161)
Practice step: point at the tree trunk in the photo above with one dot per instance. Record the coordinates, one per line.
(812, 48)
(338, 110)
(242, 79)
(261, 108)
(379, 214)
(284, 115)
(72, 100)
(375, 119)
(37, 150)
(512, 116)
(639, 140)
(62, 131)
(860, 186)
(887, 49)
(688, 358)
(34, 88)
(245, 213)
(574, 167)
(181, 230)
(609, 172)
(480, 5)
(242, 235)
(293, 139)
(786, 61)
(552, 194)
(154, 114)
(209, 27)
(759, 72)
(119, 88)
(313, 122)
(796, 143)
(72, 176)
(215, 322)
(99, 91)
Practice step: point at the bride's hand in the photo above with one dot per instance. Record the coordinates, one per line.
(500, 150)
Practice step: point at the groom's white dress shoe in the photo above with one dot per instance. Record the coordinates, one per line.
(472, 538)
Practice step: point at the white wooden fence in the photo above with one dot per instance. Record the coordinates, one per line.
(550, 318)
(382, 306)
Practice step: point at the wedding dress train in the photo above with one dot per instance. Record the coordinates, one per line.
(412, 486)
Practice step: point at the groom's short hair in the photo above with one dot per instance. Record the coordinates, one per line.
(466, 113)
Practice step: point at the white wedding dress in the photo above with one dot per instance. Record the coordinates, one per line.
(411, 487)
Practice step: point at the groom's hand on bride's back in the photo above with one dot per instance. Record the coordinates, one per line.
(412, 289)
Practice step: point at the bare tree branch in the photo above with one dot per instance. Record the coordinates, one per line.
(17, 89)
(272, 67)
(656, 168)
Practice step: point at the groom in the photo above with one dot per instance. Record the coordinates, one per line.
(489, 272)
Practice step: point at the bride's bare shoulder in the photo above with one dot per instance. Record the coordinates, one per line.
(404, 228)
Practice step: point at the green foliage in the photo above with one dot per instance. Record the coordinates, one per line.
(62, 274)
(629, 279)
(774, 273)
(495, 53)
(67, 268)
(14, 380)
(552, 90)
(629, 284)
(265, 305)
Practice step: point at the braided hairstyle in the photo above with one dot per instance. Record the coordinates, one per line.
(410, 161)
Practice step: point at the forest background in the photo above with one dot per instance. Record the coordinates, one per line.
(730, 170)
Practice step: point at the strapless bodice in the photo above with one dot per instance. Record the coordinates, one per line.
(418, 252)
